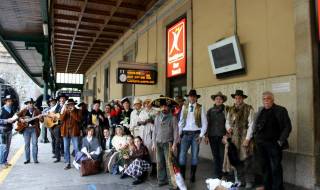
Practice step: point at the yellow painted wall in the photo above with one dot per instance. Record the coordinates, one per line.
(265, 30)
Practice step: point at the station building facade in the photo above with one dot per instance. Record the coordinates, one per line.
(280, 50)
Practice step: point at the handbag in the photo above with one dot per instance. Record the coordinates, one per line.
(89, 167)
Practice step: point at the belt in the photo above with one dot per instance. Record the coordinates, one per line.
(191, 132)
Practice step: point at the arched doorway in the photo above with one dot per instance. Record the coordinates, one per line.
(6, 89)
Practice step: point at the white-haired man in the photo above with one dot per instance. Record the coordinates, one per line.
(272, 127)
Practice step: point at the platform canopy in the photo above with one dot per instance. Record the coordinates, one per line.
(46, 37)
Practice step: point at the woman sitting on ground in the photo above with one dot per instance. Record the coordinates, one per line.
(91, 148)
(139, 167)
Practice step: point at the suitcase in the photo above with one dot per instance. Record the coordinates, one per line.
(90, 167)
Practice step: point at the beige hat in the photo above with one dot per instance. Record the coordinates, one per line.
(137, 101)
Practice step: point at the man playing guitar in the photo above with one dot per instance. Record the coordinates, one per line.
(55, 112)
(31, 131)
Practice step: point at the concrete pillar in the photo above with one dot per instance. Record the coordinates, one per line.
(305, 157)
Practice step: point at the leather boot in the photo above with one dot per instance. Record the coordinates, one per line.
(183, 171)
(154, 170)
(193, 173)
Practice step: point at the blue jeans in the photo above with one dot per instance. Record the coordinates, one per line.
(5, 142)
(75, 144)
(187, 141)
(28, 135)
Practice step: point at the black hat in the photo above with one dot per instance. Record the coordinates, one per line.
(51, 99)
(62, 95)
(97, 102)
(29, 101)
(193, 92)
(81, 104)
(8, 97)
(239, 93)
(70, 101)
(164, 101)
(224, 97)
(125, 100)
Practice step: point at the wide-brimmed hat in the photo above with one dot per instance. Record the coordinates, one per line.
(62, 95)
(164, 101)
(147, 101)
(97, 102)
(125, 100)
(179, 99)
(137, 101)
(193, 92)
(70, 101)
(29, 101)
(50, 100)
(224, 97)
(8, 97)
(239, 93)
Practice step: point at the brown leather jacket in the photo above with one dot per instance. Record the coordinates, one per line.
(23, 113)
(70, 123)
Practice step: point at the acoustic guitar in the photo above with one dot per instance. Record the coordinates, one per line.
(22, 125)
(51, 120)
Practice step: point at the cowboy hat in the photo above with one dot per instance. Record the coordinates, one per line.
(224, 97)
(8, 97)
(70, 101)
(193, 92)
(50, 100)
(137, 101)
(125, 100)
(239, 93)
(29, 101)
(164, 101)
(179, 99)
(147, 101)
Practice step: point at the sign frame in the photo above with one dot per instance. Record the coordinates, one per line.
(182, 19)
(154, 73)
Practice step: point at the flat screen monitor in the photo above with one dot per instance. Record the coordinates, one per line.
(225, 55)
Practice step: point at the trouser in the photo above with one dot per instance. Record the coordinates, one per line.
(164, 164)
(53, 140)
(30, 135)
(217, 149)
(269, 155)
(75, 144)
(44, 134)
(59, 148)
(189, 139)
(5, 142)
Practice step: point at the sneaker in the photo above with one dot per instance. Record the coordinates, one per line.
(7, 164)
(36, 162)
(67, 167)
(56, 161)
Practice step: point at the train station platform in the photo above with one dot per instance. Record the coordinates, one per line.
(51, 176)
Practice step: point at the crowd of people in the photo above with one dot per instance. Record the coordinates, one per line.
(152, 136)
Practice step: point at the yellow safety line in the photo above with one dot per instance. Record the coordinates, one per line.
(5, 172)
